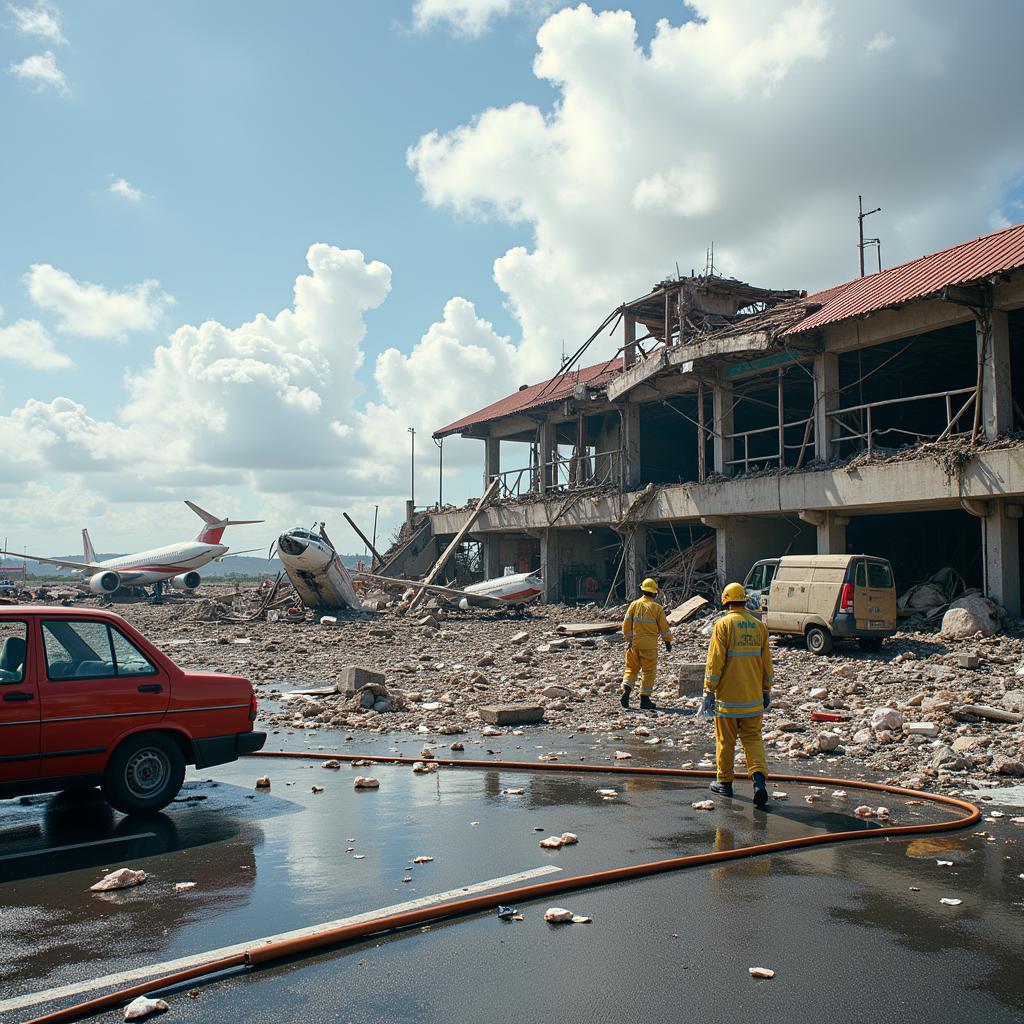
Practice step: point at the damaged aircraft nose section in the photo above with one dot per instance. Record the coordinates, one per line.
(315, 569)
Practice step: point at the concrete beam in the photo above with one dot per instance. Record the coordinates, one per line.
(492, 459)
(907, 486)
(826, 400)
(915, 318)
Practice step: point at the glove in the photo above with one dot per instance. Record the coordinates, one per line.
(668, 646)
(707, 709)
(767, 695)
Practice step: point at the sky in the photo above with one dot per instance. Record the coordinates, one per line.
(246, 245)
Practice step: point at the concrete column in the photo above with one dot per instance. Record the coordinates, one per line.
(548, 450)
(551, 565)
(635, 564)
(832, 535)
(996, 388)
(493, 566)
(740, 541)
(1002, 555)
(631, 446)
(721, 395)
(492, 459)
(826, 400)
(628, 341)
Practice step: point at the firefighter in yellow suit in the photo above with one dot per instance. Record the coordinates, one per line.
(737, 689)
(644, 622)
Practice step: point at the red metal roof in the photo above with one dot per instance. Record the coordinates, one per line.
(535, 395)
(925, 276)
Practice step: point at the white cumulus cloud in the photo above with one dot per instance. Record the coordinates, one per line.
(41, 71)
(126, 190)
(92, 311)
(753, 126)
(40, 19)
(463, 17)
(27, 342)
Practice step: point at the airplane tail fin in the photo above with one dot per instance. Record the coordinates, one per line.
(212, 532)
(88, 550)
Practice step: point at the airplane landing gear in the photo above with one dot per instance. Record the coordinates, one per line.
(158, 594)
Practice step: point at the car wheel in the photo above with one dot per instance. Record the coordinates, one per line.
(819, 640)
(145, 773)
(871, 644)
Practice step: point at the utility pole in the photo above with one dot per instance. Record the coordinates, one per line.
(412, 464)
(861, 240)
(373, 543)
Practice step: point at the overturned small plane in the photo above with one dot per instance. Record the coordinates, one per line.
(316, 570)
(512, 592)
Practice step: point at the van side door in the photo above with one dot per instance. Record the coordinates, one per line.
(19, 703)
(787, 608)
(874, 595)
(95, 687)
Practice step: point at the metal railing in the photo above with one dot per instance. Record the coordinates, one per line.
(574, 472)
(866, 431)
(776, 457)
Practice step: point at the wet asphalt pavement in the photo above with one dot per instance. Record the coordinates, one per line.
(842, 926)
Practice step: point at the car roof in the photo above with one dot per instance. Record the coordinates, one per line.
(49, 609)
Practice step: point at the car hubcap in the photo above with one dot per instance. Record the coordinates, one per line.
(147, 772)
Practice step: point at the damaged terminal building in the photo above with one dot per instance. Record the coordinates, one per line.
(737, 423)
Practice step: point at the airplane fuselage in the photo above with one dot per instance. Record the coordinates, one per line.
(157, 565)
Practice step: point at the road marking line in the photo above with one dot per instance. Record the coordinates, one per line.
(78, 846)
(168, 966)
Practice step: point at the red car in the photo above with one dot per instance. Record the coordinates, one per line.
(86, 700)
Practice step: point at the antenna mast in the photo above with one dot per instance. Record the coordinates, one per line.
(863, 242)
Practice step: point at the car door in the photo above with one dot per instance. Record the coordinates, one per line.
(87, 703)
(19, 703)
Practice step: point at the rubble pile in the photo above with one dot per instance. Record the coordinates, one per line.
(932, 709)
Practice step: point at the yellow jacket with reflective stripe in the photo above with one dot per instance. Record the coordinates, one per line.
(644, 622)
(739, 665)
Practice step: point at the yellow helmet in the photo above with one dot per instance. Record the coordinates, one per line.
(734, 594)
(649, 586)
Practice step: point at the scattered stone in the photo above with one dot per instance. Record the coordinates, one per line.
(354, 677)
(558, 915)
(335, 765)
(945, 901)
(317, 789)
(122, 878)
(365, 782)
(761, 972)
(456, 746)
(921, 729)
(622, 755)
(422, 860)
(580, 919)
(968, 659)
(1008, 766)
(970, 615)
(184, 886)
(263, 782)
(510, 714)
(828, 741)
(886, 720)
(143, 1006)
(513, 792)
(703, 805)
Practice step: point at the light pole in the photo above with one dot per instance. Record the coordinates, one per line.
(412, 465)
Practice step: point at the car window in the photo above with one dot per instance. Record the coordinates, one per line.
(77, 650)
(879, 574)
(130, 661)
(861, 579)
(754, 578)
(769, 575)
(13, 648)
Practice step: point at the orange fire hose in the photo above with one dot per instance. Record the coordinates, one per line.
(271, 952)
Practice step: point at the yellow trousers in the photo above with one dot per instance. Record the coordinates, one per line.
(748, 732)
(643, 660)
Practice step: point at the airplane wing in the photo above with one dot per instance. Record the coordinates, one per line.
(235, 554)
(452, 593)
(86, 567)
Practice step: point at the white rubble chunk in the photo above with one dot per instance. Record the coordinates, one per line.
(513, 792)
(365, 782)
(143, 1006)
(552, 843)
(703, 805)
(581, 919)
(886, 719)
(422, 860)
(122, 878)
(946, 901)
(184, 886)
(761, 972)
(921, 729)
(558, 915)
(622, 755)
(570, 838)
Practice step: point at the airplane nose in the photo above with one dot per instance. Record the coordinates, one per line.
(291, 545)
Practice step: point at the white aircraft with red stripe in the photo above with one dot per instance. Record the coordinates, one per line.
(501, 592)
(174, 564)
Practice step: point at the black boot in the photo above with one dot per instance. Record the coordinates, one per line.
(721, 788)
(646, 704)
(624, 699)
(760, 790)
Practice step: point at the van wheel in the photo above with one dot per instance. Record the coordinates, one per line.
(871, 644)
(819, 640)
(145, 773)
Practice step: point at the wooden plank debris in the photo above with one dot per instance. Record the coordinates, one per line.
(588, 628)
(686, 611)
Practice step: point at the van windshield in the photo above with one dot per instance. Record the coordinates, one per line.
(879, 574)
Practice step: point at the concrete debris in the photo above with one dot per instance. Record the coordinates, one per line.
(558, 915)
(142, 1006)
(365, 782)
(607, 794)
(513, 792)
(122, 878)
(971, 615)
(332, 764)
(422, 860)
(184, 886)
(993, 714)
(703, 805)
(778, 795)
(263, 782)
(316, 789)
(570, 838)
(552, 843)
(424, 767)
(622, 755)
(761, 972)
(921, 729)
(886, 719)
(947, 902)
(864, 811)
